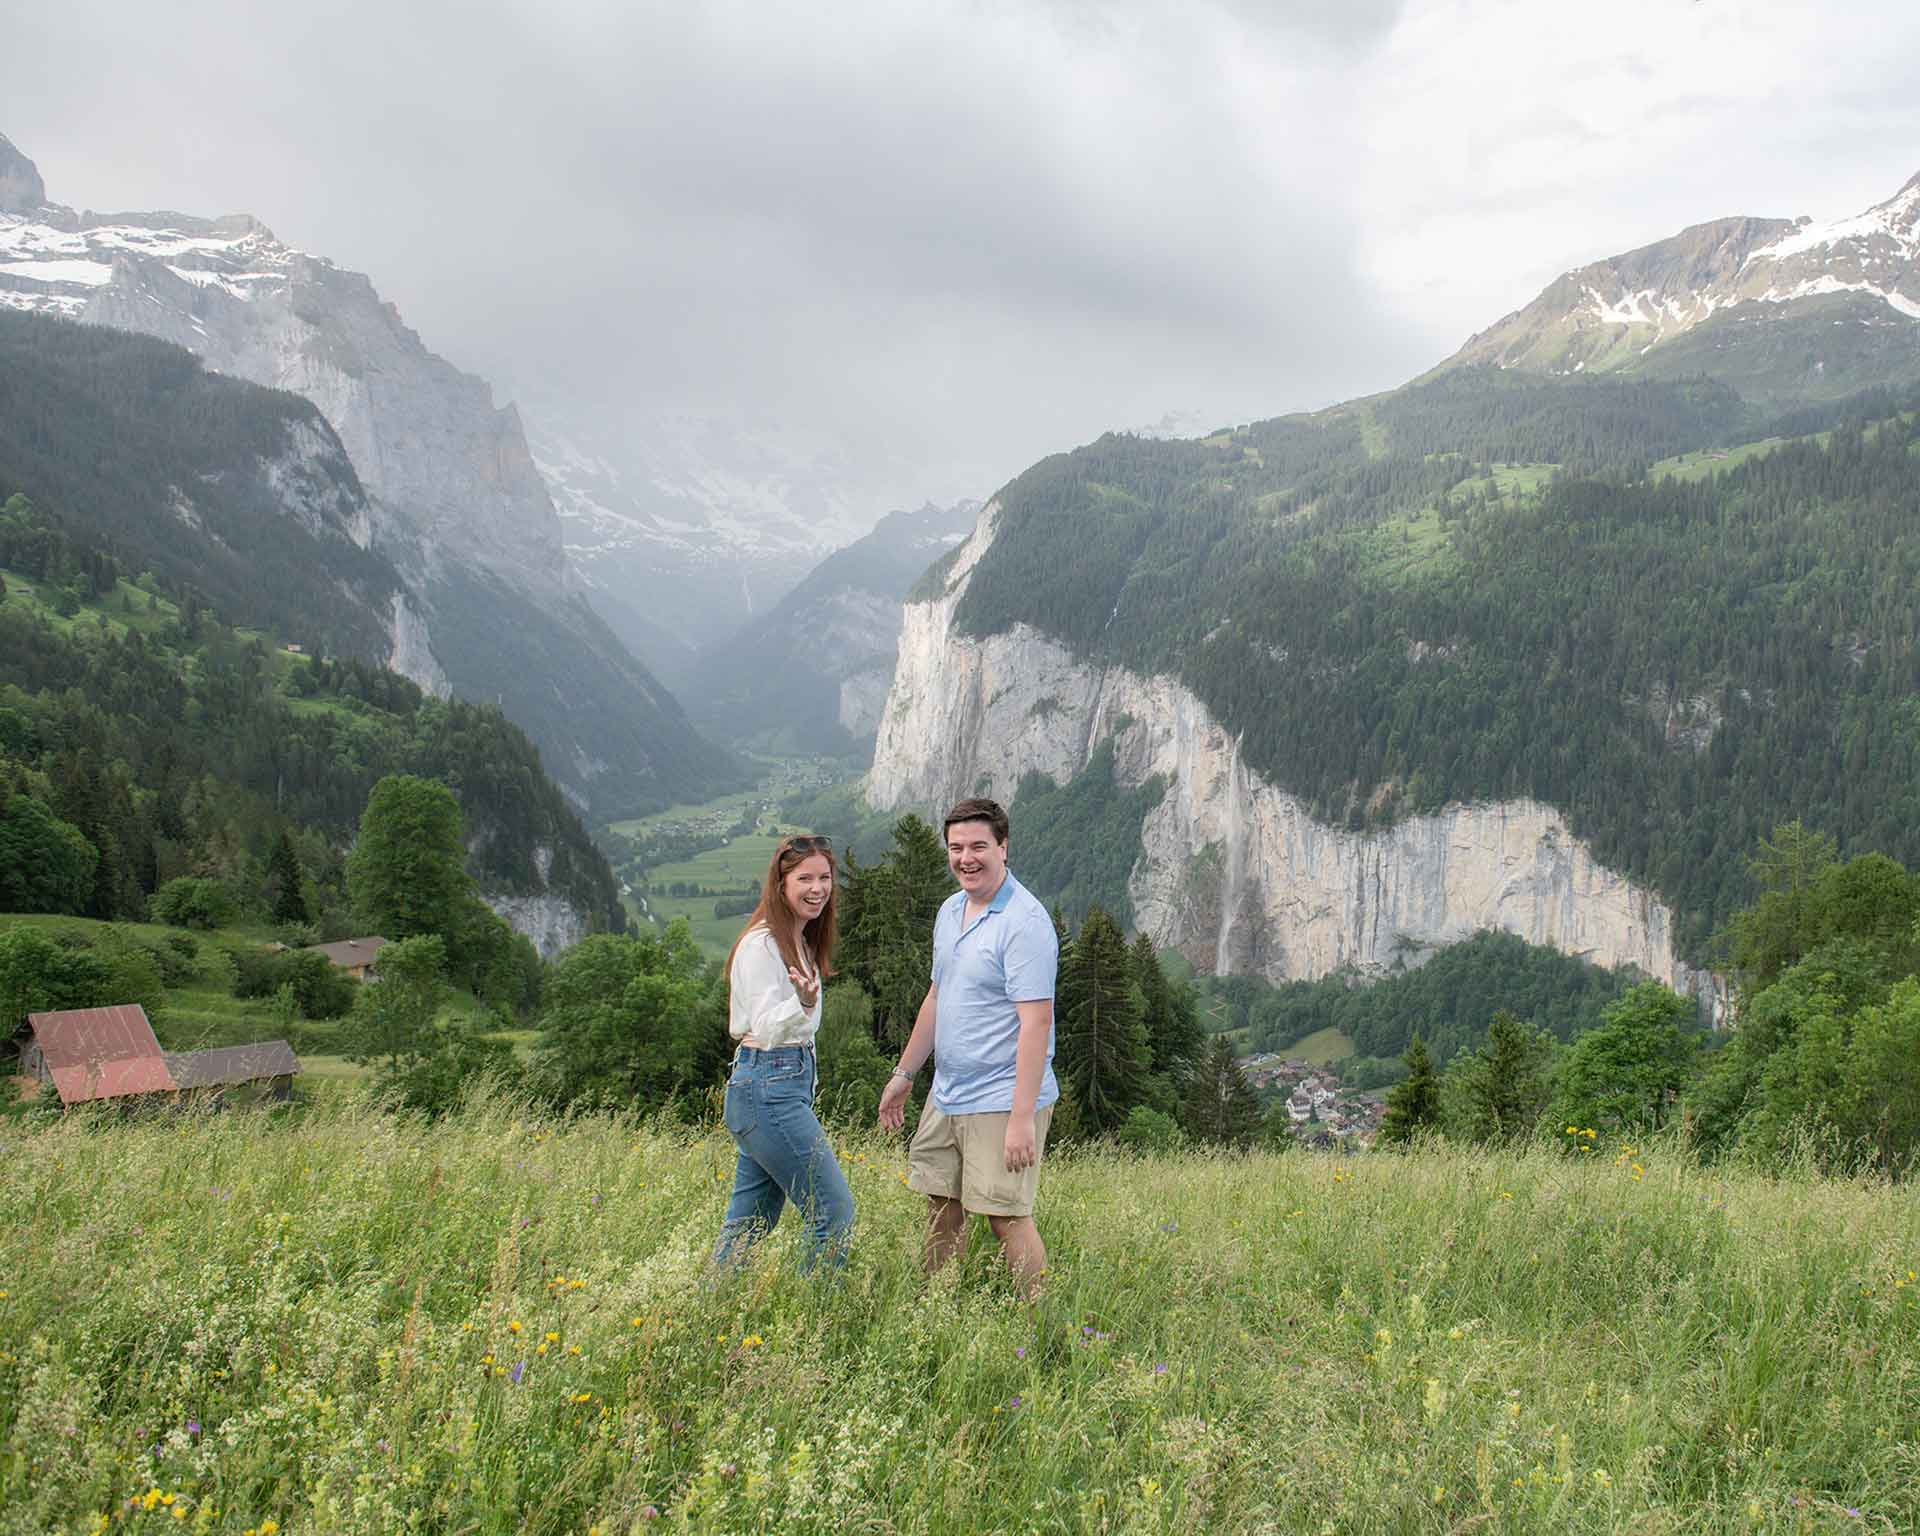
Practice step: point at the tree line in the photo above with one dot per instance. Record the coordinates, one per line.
(1818, 1065)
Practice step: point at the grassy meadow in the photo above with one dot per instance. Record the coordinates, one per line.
(331, 1320)
(740, 864)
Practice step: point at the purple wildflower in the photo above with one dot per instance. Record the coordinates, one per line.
(1160, 1368)
(649, 1513)
(519, 1367)
(1086, 1332)
(193, 1426)
(1019, 1351)
(1013, 1402)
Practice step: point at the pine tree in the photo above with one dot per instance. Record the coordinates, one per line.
(1503, 1087)
(1218, 1106)
(1101, 1045)
(1413, 1104)
(886, 915)
(1172, 1022)
(288, 902)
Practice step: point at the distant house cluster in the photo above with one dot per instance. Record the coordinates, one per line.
(1316, 1103)
(91, 1054)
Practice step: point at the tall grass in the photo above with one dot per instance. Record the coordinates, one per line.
(337, 1321)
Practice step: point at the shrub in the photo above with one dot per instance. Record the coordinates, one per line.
(189, 901)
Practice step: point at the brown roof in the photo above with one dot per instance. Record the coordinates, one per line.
(101, 1053)
(233, 1064)
(349, 952)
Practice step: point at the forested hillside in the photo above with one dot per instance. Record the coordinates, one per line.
(241, 494)
(245, 496)
(175, 744)
(1488, 586)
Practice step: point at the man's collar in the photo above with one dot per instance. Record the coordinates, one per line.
(1004, 895)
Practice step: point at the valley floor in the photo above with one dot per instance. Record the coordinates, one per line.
(333, 1320)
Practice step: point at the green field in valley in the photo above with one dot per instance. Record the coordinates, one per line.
(741, 864)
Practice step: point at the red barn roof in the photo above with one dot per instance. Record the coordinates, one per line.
(101, 1053)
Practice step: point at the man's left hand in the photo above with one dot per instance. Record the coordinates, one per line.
(1022, 1145)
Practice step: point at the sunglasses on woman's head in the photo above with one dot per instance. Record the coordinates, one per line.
(810, 844)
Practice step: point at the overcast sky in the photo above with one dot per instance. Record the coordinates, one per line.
(958, 235)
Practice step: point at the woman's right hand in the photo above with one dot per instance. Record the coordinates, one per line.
(807, 986)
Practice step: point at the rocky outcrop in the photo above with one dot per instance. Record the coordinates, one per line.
(548, 921)
(1234, 871)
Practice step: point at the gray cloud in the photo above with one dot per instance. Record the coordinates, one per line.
(940, 239)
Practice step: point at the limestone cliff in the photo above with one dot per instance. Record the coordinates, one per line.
(1234, 871)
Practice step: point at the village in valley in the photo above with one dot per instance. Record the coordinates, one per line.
(1322, 1112)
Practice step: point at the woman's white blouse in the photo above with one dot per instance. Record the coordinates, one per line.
(762, 1001)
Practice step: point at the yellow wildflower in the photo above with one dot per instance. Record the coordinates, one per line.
(515, 1326)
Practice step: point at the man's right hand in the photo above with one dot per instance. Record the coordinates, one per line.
(893, 1103)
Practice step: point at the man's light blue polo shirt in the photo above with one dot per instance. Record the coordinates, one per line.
(1009, 954)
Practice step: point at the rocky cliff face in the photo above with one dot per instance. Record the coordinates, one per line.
(1234, 871)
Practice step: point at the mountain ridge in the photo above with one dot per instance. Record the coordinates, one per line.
(458, 504)
(1709, 282)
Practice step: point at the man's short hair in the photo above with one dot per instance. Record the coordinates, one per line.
(989, 811)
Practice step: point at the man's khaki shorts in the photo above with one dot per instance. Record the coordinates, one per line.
(964, 1158)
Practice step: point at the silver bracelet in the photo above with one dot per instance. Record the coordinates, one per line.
(903, 1072)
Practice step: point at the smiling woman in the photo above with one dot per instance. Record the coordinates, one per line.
(775, 975)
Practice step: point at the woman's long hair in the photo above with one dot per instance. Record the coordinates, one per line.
(777, 916)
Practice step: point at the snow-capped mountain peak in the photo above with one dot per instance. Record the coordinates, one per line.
(1743, 278)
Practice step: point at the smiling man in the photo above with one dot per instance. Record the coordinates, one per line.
(987, 1021)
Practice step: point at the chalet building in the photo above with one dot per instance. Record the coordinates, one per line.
(91, 1054)
(354, 956)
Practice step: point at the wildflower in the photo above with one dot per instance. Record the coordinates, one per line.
(1019, 1351)
(1013, 1402)
(179, 1511)
(269, 1528)
(1506, 1194)
(1383, 1335)
(752, 1341)
(519, 1370)
(728, 1469)
(1600, 1476)
(540, 1348)
(515, 1326)
(649, 1513)
(1456, 1334)
(553, 1338)
(639, 1322)
(193, 1426)
(719, 1338)
(1439, 1494)
(1160, 1368)
(573, 1349)
(583, 1397)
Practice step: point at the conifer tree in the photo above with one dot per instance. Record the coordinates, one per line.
(1172, 1022)
(886, 912)
(1504, 1085)
(288, 902)
(1218, 1106)
(1101, 1045)
(1413, 1104)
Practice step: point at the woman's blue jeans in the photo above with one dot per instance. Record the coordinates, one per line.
(784, 1155)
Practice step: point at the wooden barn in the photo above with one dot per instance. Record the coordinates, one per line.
(356, 957)
(90, 1054)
